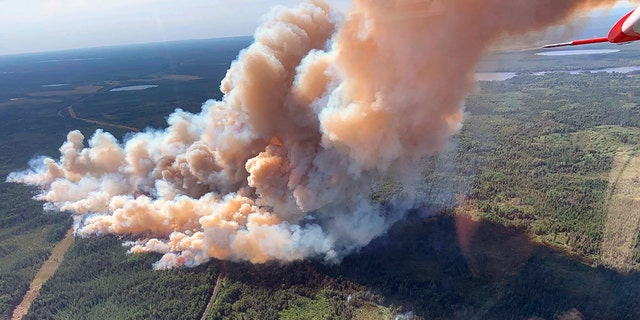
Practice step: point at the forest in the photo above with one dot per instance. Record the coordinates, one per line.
(548, 144)
(513, 223)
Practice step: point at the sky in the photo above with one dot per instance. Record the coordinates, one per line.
(49, 25)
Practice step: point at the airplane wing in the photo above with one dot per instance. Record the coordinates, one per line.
(576, 42)
(625, 30)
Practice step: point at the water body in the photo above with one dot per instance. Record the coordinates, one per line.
(494, 76)
(54, 85)
(502, 76)
(71, 60)
(576, 52)
(607, 70)
(134, 88)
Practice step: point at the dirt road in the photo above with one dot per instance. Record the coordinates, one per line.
(46, 271)
(73, 115)
(215, 292)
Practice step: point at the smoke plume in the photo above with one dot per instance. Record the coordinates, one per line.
(316, 112)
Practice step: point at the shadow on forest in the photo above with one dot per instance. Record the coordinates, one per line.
(488, 272)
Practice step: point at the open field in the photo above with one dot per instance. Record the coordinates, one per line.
(81, 90)
(27, 101)
(623, 219)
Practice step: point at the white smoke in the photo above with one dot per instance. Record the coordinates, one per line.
(314, 113)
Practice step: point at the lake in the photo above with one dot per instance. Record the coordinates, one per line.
(501, 76)
(134, 88)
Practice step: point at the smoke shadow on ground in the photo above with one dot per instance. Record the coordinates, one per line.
(422, 265)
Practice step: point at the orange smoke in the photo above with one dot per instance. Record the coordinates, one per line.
(314, 112)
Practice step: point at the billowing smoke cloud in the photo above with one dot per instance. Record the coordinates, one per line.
(315, 113)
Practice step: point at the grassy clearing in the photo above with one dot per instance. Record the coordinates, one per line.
(623, 218)
(81, 90)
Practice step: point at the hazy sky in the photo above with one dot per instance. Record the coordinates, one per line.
(44, 25)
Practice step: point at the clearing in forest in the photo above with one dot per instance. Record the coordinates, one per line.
(46, 271)
(623, 219)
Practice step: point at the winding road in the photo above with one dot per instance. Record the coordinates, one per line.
(73, 115)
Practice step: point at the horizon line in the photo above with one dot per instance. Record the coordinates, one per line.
(46, 51)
